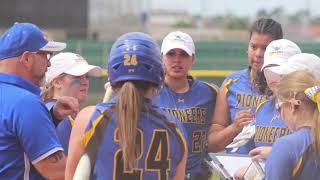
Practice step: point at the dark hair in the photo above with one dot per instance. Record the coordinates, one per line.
(261, 84)
(267, 26)
(274, 29)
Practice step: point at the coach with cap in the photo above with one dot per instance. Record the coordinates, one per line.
(29, 146)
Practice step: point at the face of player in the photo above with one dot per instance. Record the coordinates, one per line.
(75, 86)
(271, 78)
(177, 63)
(256, 48)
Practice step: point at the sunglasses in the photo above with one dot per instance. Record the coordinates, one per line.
(47, 54)
(293, 101)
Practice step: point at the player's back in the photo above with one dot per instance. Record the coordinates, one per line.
(292, 157)
(161, 142)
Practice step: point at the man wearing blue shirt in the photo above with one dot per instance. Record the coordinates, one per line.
(29, 146)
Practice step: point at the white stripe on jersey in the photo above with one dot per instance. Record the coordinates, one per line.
(26, 168)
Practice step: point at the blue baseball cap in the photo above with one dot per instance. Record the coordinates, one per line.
(23, 37)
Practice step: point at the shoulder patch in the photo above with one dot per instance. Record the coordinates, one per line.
(213, 87)
(228, 83)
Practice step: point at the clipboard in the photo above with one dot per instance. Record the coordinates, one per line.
(254, 171)
(232, 162)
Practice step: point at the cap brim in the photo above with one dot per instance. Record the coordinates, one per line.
(274, 61)
(166, 49)
(53, 46)
(280, 70)
(82, 69)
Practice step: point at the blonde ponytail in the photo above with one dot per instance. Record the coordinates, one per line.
(128, 108)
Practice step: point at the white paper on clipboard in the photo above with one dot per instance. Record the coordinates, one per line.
(232, 162)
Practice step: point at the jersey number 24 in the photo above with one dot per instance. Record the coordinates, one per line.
(157, 158)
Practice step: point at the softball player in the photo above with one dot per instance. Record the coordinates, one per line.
(269, 125)
(191, 101)
(128, 137)
(68, 75)
(239, 95)
(296, 156)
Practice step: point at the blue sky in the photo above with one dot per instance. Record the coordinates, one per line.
(237, 7)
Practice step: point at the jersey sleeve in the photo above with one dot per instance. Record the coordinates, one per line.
(35, 129)
(280, 163)
(213, 87)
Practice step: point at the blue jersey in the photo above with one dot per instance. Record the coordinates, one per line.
(292, 156)
(63, 128)
(242, 95)
(194, 109)
(162, 145)
(64, 131)
(269, 124)
(27, 133)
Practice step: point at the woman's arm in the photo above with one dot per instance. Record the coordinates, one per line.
(76, 148)
(221, 133)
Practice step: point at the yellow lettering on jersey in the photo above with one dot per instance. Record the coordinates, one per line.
(194, 115)
(118, 157)
(158, 154)
(269, 134)
(161, 161)
(248, 101)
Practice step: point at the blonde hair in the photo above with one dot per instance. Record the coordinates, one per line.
(128, 107)
(292, 86)
(47, 92)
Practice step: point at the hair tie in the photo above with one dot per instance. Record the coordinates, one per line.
(313, 93)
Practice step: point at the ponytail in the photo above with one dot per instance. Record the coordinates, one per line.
(128, 108)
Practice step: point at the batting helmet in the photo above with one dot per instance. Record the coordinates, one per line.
(135, 56)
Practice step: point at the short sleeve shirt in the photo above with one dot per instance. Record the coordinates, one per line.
(27, 133)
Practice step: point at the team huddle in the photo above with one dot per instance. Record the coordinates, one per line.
(160, 123)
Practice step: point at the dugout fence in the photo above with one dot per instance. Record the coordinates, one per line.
(214, 59)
